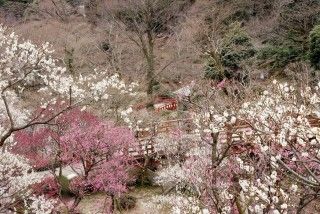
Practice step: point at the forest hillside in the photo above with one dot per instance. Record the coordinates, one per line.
(160, 106)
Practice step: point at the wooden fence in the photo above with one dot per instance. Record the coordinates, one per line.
(146, 139)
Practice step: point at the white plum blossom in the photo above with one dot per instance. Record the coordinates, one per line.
(101, 88)
(178, 204)
(275, 162)
(16, 175)
(24, 66)
(40, 205)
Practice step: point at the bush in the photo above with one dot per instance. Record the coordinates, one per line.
(144, 176)
(237, 46)
(74, 2)
(126, 202)
(288, 41)
(19, 1)
(235, 49)
(64, 185)
(280, 56)
(243, 14)
(243, 10)
(213, 71)
(314, 45)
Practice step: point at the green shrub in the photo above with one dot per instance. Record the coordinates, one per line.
(3, 2)
(155, 85)
(243, 10)
(69, 59)
(243, 14)
(214, 70)
(288, 41)
(314, 45)
(20, 1)
(65, 185)
(280, 56)
(143, 176)
(236, 48)
(126, 202)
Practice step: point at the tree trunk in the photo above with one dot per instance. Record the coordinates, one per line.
(76, 202)
(214, 157)
(92, 11)
(112, 207)
(150, 64)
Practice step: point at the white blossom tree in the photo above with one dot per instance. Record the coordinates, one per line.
(24, 66)
(16, 176)
(262, 157)
(31, 85)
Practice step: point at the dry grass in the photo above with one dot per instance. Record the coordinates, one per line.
(177, 54)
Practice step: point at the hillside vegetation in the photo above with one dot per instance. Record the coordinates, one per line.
(169, 42)
(164, 106)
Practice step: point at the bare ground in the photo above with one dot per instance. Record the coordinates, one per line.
(95, 204)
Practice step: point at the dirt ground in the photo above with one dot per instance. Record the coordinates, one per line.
(94, 204)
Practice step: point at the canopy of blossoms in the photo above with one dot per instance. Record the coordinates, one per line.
(32, 82)
(260, 158)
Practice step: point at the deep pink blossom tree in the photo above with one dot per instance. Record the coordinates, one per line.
(36, 147)
(101, 150)
(95, 151)
(40, 144)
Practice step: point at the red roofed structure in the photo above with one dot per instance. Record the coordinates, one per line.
(162, 103)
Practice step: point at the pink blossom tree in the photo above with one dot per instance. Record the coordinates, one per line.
(94, 150)
(36, 146)
(32, 79)
(25, 66)
(102, 151)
